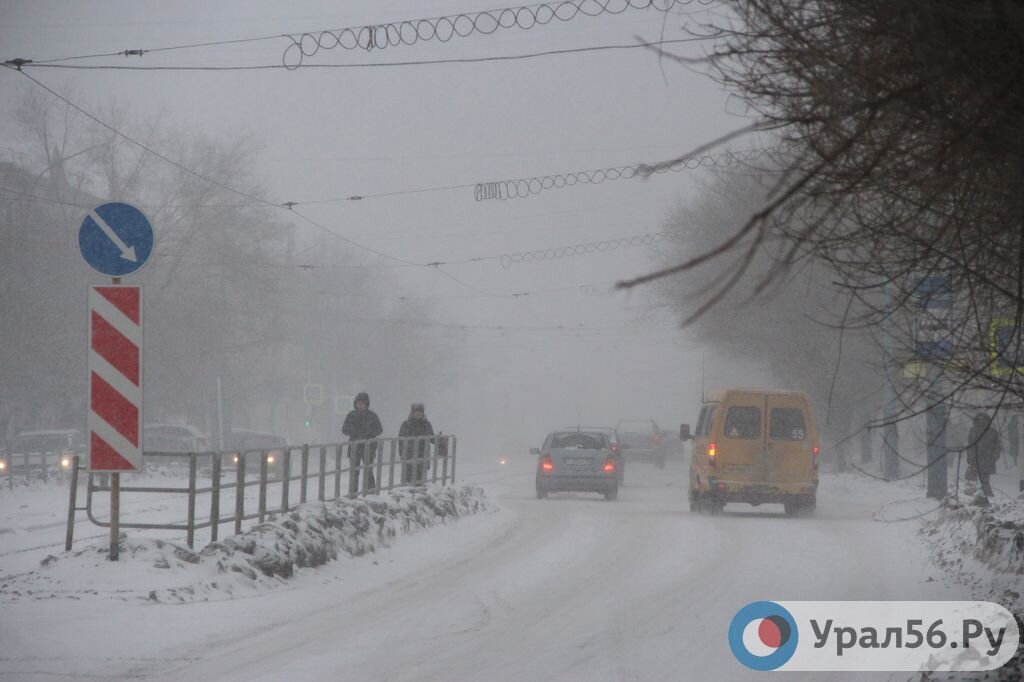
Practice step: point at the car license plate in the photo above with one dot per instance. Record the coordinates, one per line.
(577, 461)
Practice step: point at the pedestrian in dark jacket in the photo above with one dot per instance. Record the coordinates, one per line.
(983, 449)
(361, 425)
(415, 452)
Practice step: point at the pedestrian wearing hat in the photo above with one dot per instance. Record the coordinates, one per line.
(414, 451)
(361, 426)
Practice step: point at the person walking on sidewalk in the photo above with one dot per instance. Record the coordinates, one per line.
(983, 449)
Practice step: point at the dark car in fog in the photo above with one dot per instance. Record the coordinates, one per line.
(253, 447)
(644, 441)
(577, 461)
(42, 452)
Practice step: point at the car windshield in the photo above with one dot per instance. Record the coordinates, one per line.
(579, 441)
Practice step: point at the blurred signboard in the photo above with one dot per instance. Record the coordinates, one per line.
(313, 394)
(933, 332)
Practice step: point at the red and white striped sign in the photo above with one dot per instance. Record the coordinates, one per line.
(115, 378)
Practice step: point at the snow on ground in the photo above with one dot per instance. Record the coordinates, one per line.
(259, 559)
(568, 588)
(982, 548)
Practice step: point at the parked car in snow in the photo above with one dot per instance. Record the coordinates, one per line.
(580, 461)
(42, 452)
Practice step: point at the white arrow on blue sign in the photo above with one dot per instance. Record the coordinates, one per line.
(116, 239)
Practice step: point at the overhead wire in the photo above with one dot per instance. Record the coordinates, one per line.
(169, 48)
(482, 190)
(142, 145)
(462, 25)
(216, 183)
(524, 187)
(359, 65)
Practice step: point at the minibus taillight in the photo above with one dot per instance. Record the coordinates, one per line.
(712, 452)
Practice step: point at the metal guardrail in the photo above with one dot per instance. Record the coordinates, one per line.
(323, 467)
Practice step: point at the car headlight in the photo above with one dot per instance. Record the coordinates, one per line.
(270, 459)
(3, 464)
(234, 459)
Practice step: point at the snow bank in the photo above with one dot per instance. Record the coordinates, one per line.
(262, 558)
(314, 534)
(983, 548)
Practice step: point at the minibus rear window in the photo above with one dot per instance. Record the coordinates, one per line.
(743, 422)
(787, 423)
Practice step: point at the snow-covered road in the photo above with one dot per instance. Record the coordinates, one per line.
(568, 588)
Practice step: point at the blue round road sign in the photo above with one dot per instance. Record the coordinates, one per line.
(116, 239)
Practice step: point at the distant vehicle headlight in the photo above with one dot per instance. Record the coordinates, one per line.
(270, 459)
(3, 464)
(502, 461)
(234, 459)
(65, 462)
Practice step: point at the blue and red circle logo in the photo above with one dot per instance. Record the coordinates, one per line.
(763, 635)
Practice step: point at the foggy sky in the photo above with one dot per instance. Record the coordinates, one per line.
(327, 133)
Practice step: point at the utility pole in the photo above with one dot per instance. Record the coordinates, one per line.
(933, 346)
(936, 435)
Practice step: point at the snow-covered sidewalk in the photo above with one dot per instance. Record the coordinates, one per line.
(259, 559)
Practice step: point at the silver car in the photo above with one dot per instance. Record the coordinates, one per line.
(581, 461)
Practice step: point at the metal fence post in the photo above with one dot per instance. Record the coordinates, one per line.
(323, 465)
(72, 504)
(444, 470)
(305, 472)
(337, 471)
(391, 465)
(191, 532)
(365, 470)
(433, 470)
(286, 479)
(379, 463)
(239, 494)
(263, 486)
(455, 441)
(115, 516)
(215, 498)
